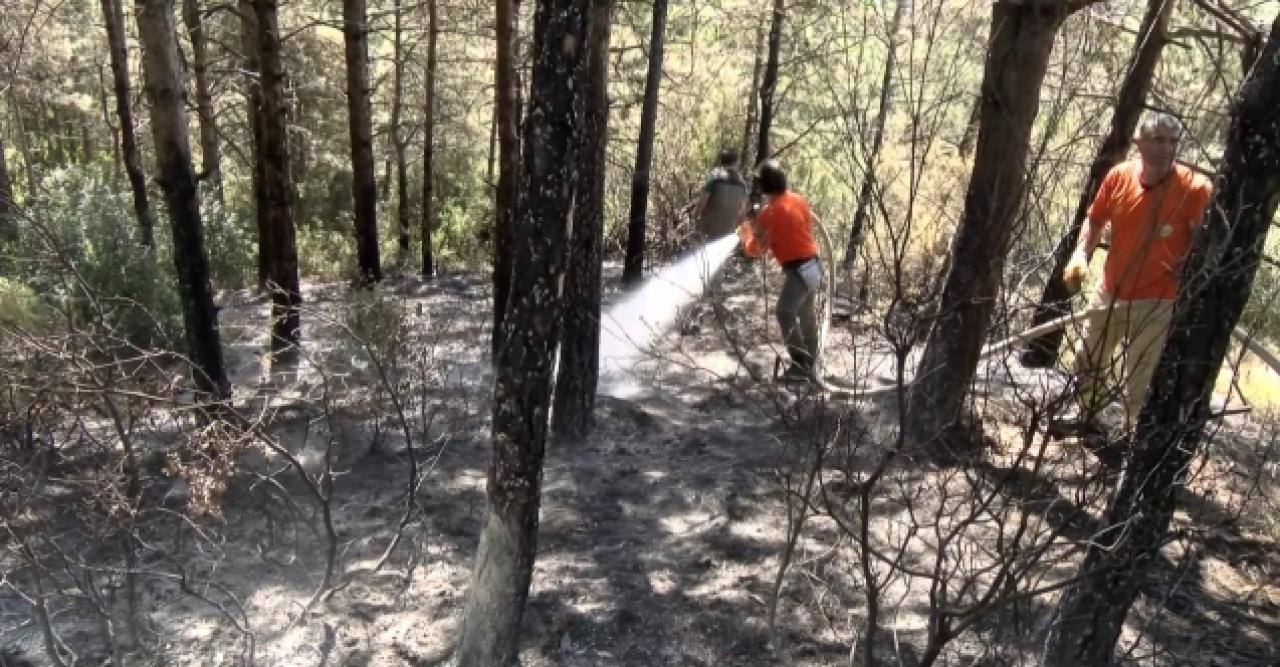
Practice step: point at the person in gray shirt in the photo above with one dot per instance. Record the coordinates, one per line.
(724, 198)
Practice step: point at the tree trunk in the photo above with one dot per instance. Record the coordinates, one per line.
(633, 264)
(770, 82)
(210, 157)
(114, 16)
(162, 67)
(749, 128)
(428, 144)
(249, 46)
(971, 127)
(1218, 280)
(397, 139)
(360, 116)
(1021, 41)
(877, 140)
(1056, 299)
(277, 182)
(7, 206)
(506, 109)
(523, 372)
(106, 118)
(575, 395)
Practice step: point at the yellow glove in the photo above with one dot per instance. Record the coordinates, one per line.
(1073, 276)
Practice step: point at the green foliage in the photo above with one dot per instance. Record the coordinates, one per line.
(378, 324)
(230, 240)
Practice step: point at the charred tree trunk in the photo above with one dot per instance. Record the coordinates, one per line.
(360, 117)
(210, 157)
(277, 183)
(249, 47)
(523, 372)
(769, 84)
(971, 128)
(428, 144)
(1219, 277)
(397, 139)
(575, 395)
(162, 67)
(877, 140)
(1056, 299)
(1022, 36)
(114, 16)
(7, 205)
(633, 264)
(753, 107)
(506, 109)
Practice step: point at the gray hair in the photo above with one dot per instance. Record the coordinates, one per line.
(1159, 119)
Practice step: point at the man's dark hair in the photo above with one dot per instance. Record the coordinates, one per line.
(728, 158)
(773, 180)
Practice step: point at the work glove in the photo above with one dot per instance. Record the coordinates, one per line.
(1073, 276)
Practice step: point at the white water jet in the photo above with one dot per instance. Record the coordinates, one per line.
(630, 328)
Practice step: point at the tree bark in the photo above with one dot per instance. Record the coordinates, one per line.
(523, 372)
(162, 67)
(506, 109)
(114, 16)
(1055, 301)
(757, 69)
(397, 139)
(7, 205)
(277, 182)
(858, 230)
(249, 46)
(428, 144)
(971, 127)
(1219, 277)
(1022, 36)
(770, 82)
(575, 395)
(360, 116)
(633, 263)
(210, 156)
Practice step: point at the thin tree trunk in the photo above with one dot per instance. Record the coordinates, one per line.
(162, 66)
(7, 206)
(877, 140)
(114, 16)
(277, 182)
(249, 47)
(507, 111)
(106, 118)
(1218, 280)
(428, 144)
(1021, 42)
(757, 69)
(523, 372)
(633, 264)
(1055, 301)
(397, 140)
(575, 395)
(210, 155)
(360, 116)
(770, 82)
(971, 127)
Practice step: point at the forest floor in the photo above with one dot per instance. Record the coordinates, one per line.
(661, 535)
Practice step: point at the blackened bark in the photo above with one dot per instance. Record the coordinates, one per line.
(6, 191)
(210, 156)
(971, 127)
(633, 263)
(1055, 301)
(506, 109)
(1218, 280)
(277, 182)
(1022, 36)
(770, 82)
(397, 139)
(249, 47)
(162, 67)
(753, 98)
(523, 371)
(858, 229)
(114, 16)
(575, 395)
(360, 117)
(428, 144)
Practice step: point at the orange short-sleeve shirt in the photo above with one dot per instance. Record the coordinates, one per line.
(1151, 229)
(787, 226)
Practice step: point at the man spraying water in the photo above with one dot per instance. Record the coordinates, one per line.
(785, 227)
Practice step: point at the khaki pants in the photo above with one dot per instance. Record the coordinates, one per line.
(1136, 330)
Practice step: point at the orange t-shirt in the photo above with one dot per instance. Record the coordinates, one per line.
(787, 226)
(1151, 229)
